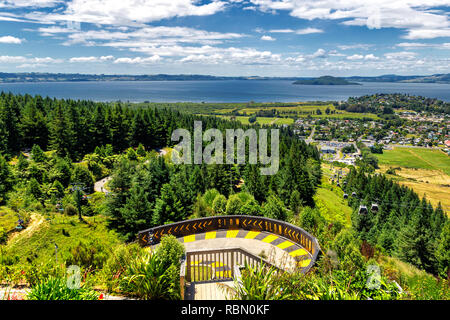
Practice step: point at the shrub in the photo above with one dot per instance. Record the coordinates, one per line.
(170, 250)
(56, 289)
(91, 255)
(148, 278)
(234, 204)
(210, 195)
(154, 275)
(258, 283)
(36, 273)
(219, 205)
(70, 210)
(115, 266)
(3, 236)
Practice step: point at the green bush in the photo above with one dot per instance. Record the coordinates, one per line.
(115, 266)
(36, 273)
(210, 195)
(3, 236)
(147, 277)
(70, 210)
(155, 274)
(219, 205)
(91, 255)
(258, 283)
(170, 250)
(56, 289)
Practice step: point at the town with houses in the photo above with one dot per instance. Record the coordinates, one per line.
(416, 129)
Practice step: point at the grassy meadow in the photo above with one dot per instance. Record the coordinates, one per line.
(426, 171)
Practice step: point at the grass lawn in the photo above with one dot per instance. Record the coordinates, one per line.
(262, 120)
(416, 158)
(303, 110)
(426, 171)
(8, 219)
(430, 183)
(331, 203)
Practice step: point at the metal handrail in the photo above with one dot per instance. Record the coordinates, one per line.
(296, 234)
(226, 257)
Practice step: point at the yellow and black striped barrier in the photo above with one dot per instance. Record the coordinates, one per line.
(209, 226)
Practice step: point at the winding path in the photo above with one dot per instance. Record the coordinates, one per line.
(99, 186)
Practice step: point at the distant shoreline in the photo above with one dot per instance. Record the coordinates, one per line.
(62, 77)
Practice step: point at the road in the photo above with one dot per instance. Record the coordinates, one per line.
(99, 186)
(310, 138)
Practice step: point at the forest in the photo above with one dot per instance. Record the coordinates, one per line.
(53, 151)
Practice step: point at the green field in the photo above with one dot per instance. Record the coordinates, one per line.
(416, 158)
(303, 110)
(261, 120)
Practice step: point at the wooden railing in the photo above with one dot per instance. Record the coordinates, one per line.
(217, 265)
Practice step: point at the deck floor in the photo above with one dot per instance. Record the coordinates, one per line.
(207, 291)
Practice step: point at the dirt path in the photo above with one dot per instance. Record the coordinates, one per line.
(35, 222)
(99, 186)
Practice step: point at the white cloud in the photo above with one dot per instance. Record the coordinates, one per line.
(355, 46)
(267, 38)
(308, 31)
(28, 3)
(10, 39)
(355, 57)
(298, 31)
(91, 59)
(138, 37)
(362, 57)
(427, 33)
(22, 60)
(418, 45)
(215, 55)
(127, 12)
(320, 53)
(403, 55)
(281, 31)
(370, 57)
(139, 60)
(422, 19)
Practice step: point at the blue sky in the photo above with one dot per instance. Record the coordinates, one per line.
(226, 37)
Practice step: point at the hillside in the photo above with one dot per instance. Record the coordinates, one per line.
(325, 81)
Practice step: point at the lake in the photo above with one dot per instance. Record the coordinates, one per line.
(219, 91)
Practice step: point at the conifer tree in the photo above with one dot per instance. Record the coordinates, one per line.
(168, 208)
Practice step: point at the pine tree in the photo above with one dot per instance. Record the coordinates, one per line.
(443, 251)
(6, 179)
(274, 208)
(137, 212)
(9, 119)
(33, 126)
(37, 154)
(61, 135)
(168, 207)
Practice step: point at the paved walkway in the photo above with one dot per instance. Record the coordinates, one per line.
(278, 250)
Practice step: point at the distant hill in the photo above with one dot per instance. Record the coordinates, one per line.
(325, 81)
(436, 78)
